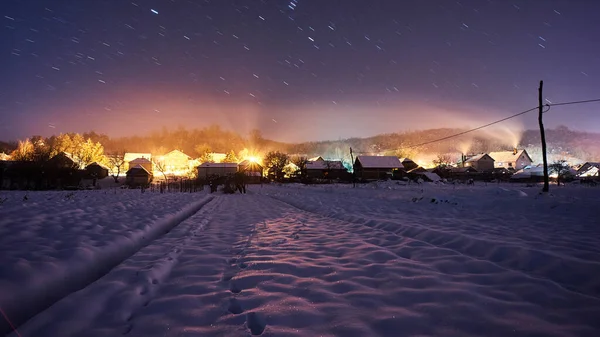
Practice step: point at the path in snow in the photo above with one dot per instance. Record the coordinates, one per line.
(252, 265)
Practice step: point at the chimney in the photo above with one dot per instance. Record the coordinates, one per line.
(515, 151)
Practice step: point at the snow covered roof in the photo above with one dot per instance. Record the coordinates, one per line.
(406, 160)
(476, 158)
(177, 152)
(98, 164)
(325, 165)
(138, 168)
(387, 162)
(140, 161)
(219, 165)
(319, 158)
(129, 156)
(591, 172)
(507, 156)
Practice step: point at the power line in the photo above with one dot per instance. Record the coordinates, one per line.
(575, 102)
(504, 119)
(474, 129)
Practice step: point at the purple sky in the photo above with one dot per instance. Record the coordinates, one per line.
(297, 70)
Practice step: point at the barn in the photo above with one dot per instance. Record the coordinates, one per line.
(376, 167)
(138, 176)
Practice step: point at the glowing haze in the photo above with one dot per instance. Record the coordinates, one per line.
(317, 71)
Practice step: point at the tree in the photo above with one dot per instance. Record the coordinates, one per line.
(276, 161)
(116, 161)
(442, 161)
(231, 157)
(204, 153)
(561, 168)
(300, 162)
(88, 152)
(24, 151)
(161, 166)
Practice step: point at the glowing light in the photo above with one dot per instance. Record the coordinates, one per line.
(253, 159)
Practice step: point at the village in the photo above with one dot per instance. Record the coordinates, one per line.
(176, 169)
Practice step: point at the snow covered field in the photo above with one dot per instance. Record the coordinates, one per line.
(379, 260)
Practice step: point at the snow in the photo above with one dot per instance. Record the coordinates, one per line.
(382, 259)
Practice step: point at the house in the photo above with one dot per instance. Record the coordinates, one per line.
(587, 169)
(175, 163)
(143, 162)
(325, 169)
(481, 162)
(131, 156)
(515, 159)
(376, 167)
(138, 176)
(220, 169)
(96, 170)
(252, 170)
(408, 164)
(63, 160)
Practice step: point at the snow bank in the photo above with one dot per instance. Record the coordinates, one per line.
(54, 243)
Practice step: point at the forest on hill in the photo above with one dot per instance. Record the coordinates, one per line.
(562, 141)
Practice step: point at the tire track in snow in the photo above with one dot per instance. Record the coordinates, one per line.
(82, 275)
(368, 223)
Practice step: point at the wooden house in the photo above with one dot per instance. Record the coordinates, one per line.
(511, 160)
(376, 167)
(325, 169)
(63, 160)
(131, 156)
(96, 170)
(143, 162)
(138, 176)
(206, 170)
(481, 162)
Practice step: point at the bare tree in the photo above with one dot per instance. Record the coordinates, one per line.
(116, 161)
(161, 167)
(561, 168)
(442, 161)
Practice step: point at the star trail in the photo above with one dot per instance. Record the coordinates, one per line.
(321, 69)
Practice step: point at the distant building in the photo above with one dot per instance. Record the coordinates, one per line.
(138, 176)
(220, 169)
(143, 162)
(176, 163)
(131, 156)
(408, 164)
(325, 169)
(481, 162)
(588, 169)
(96, 170)
(376, 167)
(63, 160)
(515, 159)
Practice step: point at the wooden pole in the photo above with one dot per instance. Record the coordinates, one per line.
(353, 173)
(543, 136)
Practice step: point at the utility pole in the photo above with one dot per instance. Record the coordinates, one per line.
(353, 173)
(543, 136)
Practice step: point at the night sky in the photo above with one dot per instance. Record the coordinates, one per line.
(297, 70)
